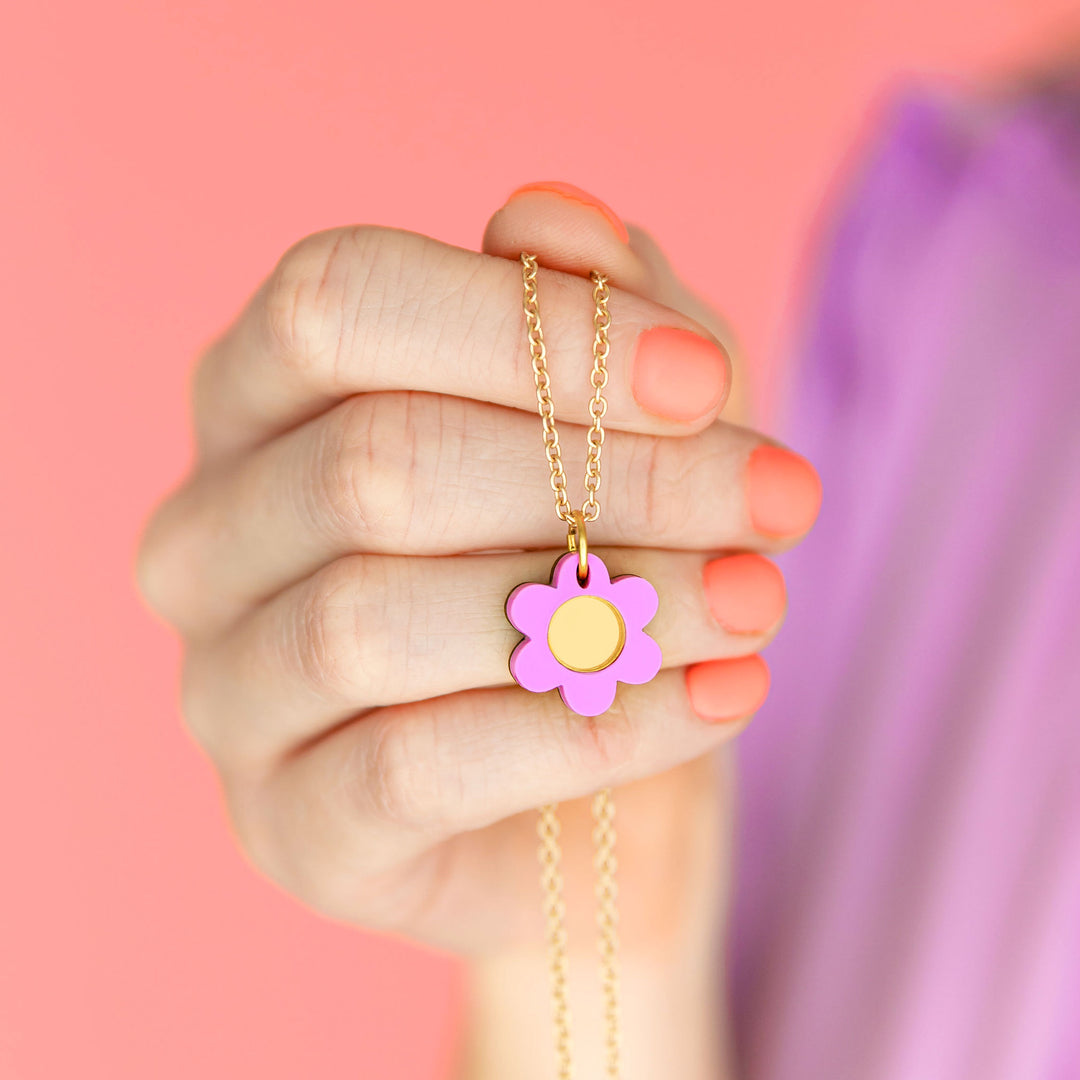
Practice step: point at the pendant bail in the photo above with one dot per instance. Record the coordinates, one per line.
(577, 540)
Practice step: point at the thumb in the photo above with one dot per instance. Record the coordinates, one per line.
(570, 230)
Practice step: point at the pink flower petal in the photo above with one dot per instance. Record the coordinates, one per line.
(639, 660)
(529, 607)
(635, 598)
(533, 666)
(588, 693)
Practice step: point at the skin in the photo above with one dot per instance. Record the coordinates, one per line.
(366, 434)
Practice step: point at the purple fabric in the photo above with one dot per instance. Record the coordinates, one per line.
(908, 879)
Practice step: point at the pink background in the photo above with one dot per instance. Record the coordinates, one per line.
(157, 159)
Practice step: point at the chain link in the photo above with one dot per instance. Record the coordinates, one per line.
(607, 919)
(555, 913)
(546, 407)
(603, 805)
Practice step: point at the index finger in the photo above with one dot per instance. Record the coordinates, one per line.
(365, 308)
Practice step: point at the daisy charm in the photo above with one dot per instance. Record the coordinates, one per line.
(583, 637)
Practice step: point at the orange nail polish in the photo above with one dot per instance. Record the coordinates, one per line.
(577, 195)
(783, 492)
(745, 593)
(727, 689)
(678, 374)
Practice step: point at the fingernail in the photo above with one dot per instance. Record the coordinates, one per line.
(678, 374)
(783, 492)
(727, 689)
(577, 195)
(745, 593)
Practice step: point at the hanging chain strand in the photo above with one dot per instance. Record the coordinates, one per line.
(545, 405)
(555, 913)
(603, 805)
(607, 920)
(598, 404)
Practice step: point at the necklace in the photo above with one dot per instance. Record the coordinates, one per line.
(583, 633)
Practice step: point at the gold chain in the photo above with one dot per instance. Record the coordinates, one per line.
(555, 912)
(603, 805)
(607, 919)
(597, 405)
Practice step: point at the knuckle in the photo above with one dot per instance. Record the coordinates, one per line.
(404, 783)
(151, 578)
(366, 482)
(331, 641)
(663, 502)
(248, 818)
(160, 574)
(278, 852)
(320, 892)
(256, 815)
(313, 289)
(197, 707)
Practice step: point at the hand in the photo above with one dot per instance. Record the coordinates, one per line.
(365, 431)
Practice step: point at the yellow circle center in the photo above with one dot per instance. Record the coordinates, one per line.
(586, 633)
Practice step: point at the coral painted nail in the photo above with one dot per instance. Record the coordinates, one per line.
(745, 593)
(678, 374)
(783, 492)
(727, 689)
(575, 195)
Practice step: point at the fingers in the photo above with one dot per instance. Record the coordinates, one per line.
(571, 230)
(424, 474)
(375, 792)
(373, 630)
(366, 308)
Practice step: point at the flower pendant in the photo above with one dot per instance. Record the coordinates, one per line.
(583, 636)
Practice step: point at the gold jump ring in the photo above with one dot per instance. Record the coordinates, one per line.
(577, 540)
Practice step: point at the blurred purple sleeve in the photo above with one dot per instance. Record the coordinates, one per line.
(908, 878)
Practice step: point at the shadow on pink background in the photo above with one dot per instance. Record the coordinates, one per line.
(158, 158)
